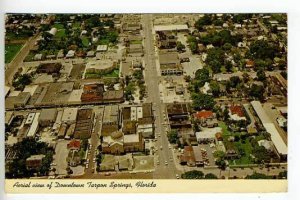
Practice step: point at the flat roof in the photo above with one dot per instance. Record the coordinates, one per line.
(111, 113)
(69, 114)
(34, 126)
(270, 128)
(172, 27)
(99, 64)
(131, 138)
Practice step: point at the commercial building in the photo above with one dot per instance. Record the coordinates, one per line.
(178, 115)
(166, 40)
(170, 63)
(173, 27)
(47, 117)
(34, 161)
(100, 66)
(110, 122)
(92, 92)
(69, 115)
(84, 124)
(280, 146)
(34, 126)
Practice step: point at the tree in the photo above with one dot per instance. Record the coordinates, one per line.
(215, 58)
(203, 21)
(257, 176)
(262, 49)
(194, 174)
(180, 46)
(215, 88)
(257, 91)
(173, 136)
(261, 154)
(210, 176)
(202, 101)
(261, 75)
(283, 175)
(202, 75)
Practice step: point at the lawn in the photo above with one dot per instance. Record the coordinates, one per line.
(76, 25)
(85, 41)
(246, 146)
(114, 73)
(136, 42)
(11, 51)
(60, 33)
(58, 26)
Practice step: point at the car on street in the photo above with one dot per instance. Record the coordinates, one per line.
(166, 162)
(177, 176)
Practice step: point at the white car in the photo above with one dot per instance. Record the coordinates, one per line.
(177, 176)
(166, 163)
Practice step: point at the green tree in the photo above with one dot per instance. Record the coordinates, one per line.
(261, 75)
(257, 91)
(194, 174)
(180, 46)
(173, 136)
(202, 101)
(262, 49)
(210, 176)
(203, 21)
(257, 176)
(215, 88)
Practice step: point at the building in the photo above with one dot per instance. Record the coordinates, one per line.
(53, 31)
(178, 115)
(280, 145)
(62, 131)
(118, 143)
(92, 92)
(110, 121)
(34, 161)
(205, 137)
(102, 48)
(166, 40)
(29, 118)
(236, 113)
(174, 27)
(47, 117)
(69, 115)
(17, 101)
(170, 63)
(34, 126)
(135, 49)
(206, 118)
(49, 68)
(188, 157)
(199, 161)
(9, 117)
(100, 66)
(84, 124)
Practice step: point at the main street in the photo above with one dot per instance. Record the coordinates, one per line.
(163, 170)
(14, 65)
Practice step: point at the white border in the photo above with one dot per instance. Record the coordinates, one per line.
(184, 6)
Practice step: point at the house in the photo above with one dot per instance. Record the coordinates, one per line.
(249, 64)
(90, 54)
(74, 145)
(34, 161)
(38, 57)
(205, 137)
(206, 118)
(199, 161)
(70, 54)
(236, 113)
(102, 48)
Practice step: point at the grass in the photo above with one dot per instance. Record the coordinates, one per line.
(245, 159)
(136, 42)
(58, 26)
(114, 73)
(11, 51)
(76, 25)
(85, 41)
(60, 33)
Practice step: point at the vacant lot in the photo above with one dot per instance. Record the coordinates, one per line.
(11, 51)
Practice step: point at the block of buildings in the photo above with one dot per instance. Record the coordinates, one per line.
(47, 117)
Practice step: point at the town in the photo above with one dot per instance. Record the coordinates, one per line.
(146, 96)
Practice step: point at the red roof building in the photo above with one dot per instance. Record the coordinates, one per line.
(205, 114)
(238, 110)
(74, 144)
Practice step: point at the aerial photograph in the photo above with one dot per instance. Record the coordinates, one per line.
(146, 96)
